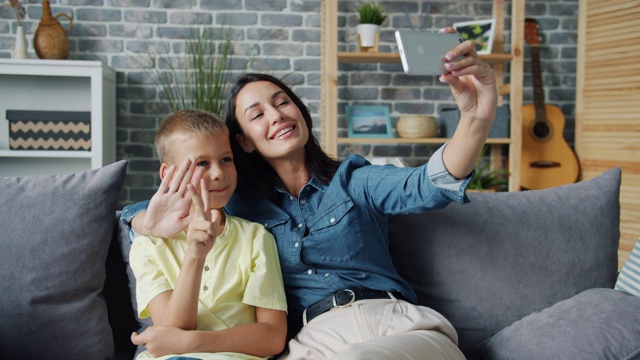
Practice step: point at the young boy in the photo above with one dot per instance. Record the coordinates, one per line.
(213, 291)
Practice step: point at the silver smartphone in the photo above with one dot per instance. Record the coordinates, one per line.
(422, 52)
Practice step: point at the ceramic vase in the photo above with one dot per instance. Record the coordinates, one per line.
(21, 44)
(367, 34)
(50, 40)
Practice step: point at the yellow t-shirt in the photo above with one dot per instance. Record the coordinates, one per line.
(242, 271)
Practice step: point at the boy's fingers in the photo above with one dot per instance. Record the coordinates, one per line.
(198, 206)
(187, 178)
(204, 192)
(197, 175)
(135, 338)
(166, 180)
(176, 181)
(216, 217)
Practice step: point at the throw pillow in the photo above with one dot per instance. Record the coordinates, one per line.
(55, 233)
(595, 324)
(629, 278)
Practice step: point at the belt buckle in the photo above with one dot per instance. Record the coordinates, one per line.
(353, 299)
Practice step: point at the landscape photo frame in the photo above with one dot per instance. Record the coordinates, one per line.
(369, 122)
(480, 32)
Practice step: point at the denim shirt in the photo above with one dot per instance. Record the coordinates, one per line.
(334, 236)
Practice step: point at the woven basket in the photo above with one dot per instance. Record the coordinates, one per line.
(417, 126)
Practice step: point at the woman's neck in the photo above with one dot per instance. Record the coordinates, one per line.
(292, 172)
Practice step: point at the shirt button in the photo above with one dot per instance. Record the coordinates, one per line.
(299, 225)
(296, 244)
(205, 288)
(303, 202)
(332, 220)
(206, 268)
(309, 271)
(291, 197)
(327, 274)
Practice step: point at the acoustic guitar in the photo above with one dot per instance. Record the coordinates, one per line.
(547, 159)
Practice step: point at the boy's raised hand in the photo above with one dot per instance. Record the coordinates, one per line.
(168, 211)
(203, 229)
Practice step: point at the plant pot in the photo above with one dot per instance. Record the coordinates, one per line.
(368, 36)
(20, 51)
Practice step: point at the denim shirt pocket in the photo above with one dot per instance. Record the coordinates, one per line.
(336, 236)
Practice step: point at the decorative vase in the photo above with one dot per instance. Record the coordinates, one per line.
(368, 36)
(50, 40)
(417, 126)
(21, 44)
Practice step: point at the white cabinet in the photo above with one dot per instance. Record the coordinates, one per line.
(58, 85)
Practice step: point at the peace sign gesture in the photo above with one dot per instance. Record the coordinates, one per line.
(203, 229)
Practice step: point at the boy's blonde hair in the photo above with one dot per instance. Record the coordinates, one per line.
(183, 125)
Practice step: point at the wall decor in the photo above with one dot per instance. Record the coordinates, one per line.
(369, 121)
(478, 31)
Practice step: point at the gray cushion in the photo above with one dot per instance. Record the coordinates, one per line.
(55, 233)
(596, 324)
(489, 263)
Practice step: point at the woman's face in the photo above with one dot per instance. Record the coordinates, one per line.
(272, 124)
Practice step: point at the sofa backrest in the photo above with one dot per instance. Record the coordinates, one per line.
(487, 264)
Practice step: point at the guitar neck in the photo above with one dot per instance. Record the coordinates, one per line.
(538, 91)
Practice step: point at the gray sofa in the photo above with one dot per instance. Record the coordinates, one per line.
(521, 275)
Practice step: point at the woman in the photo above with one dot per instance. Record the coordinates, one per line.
(329, 218)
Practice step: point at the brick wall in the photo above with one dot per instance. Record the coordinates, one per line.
(283, 38)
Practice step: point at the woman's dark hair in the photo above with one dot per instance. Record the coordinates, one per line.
(255, 175)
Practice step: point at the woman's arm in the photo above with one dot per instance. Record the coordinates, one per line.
(264, 338)
(473, 85)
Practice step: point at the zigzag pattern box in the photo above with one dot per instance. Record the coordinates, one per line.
(49, 130)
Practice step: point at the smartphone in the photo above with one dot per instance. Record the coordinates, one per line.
(422, 52)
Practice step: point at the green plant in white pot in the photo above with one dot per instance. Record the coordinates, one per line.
(372, 15)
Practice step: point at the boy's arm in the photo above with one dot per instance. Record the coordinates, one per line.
(264, 338)
(180, 307)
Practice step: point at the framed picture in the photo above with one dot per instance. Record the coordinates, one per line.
(369, 121)
(478, 31)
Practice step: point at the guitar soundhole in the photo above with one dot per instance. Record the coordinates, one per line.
(541, 130)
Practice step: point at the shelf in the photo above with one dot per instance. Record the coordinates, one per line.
(45, 154)
(511, 91)
(498, 141)
(393, 57)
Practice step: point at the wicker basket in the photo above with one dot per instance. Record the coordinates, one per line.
(417, 126)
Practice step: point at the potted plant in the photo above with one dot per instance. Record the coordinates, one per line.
(372, 15)
(487, 179)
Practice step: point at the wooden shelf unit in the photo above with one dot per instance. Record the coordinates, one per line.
(329, 84)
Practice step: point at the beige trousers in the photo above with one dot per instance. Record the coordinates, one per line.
(376, 329)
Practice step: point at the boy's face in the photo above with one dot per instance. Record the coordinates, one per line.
(213, 153)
